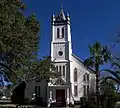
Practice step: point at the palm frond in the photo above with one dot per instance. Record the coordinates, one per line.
(114, 79)
(116, 64)
(118, 58)
(91, 50)
(100, 53)
(97, 47)
(106, 54)
(116, 75)
(89, 62)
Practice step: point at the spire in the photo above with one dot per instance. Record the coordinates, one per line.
(61, 15)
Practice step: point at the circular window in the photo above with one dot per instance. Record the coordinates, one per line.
(60, 53)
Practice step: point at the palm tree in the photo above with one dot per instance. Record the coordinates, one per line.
(98, 56)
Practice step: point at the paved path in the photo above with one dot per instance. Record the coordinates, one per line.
(31, 106)
(22, 106)
(6, 103)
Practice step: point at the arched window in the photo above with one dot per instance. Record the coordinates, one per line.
(86, 90)
(58, 33)
(75, 75)
(62, 32)
(86, 77)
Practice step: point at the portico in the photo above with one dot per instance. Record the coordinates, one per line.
(59, 94)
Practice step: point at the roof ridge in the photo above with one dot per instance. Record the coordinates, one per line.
(83, 63)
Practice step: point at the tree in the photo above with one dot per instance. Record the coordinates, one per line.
(19, 37)
(19, 44)
(41, 69)
(109, 95)
(99, 55)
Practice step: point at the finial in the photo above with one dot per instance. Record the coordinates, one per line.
(61, 7)
(68, 17)
(53, 15)
(68, 14)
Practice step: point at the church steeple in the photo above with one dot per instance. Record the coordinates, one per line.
(61, 18)
(61, 46)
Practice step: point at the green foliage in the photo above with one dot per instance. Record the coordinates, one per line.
(89, 103)
(108, 86)
(19, 43)
(99, 55)
(109, 96)
(43, 69)
(115, 71)
(19, 37)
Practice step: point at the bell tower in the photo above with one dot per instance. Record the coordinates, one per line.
(61, 47)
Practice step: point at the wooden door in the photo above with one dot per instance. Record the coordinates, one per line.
(60, 97)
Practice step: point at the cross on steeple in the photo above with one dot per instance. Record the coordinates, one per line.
(61, 7)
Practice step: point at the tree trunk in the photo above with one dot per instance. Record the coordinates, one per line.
(97, 84)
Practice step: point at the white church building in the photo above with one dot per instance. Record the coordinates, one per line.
(76, 80)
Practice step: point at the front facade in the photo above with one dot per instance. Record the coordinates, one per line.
(75, 79)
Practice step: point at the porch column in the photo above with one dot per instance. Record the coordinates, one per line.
(54, 94)
(68, 96)
(71, 94)
(51, 94)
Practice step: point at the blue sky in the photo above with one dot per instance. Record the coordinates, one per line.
(91, 20)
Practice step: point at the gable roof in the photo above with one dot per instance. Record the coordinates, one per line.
(82, 63)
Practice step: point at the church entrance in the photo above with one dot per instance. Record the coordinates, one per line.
(60, 97)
